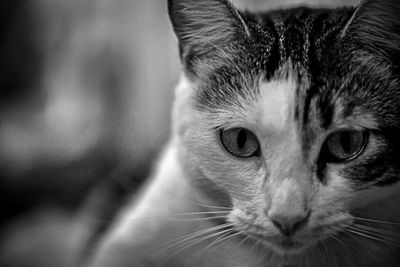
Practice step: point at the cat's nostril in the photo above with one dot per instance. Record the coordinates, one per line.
(288, 226)
(285, 229)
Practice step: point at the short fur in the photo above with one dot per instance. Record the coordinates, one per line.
(292, 77)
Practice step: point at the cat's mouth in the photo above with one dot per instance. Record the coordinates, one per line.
(282, 245)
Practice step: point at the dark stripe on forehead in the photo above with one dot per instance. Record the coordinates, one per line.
(297, 31)
(324, 63)
(314, 66)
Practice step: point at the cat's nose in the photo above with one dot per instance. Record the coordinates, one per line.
(287, 224)
(288, 208)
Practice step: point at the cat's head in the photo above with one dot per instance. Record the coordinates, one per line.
(292, 115)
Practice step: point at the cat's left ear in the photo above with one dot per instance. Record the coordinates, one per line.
(375, 26)
(205, 28)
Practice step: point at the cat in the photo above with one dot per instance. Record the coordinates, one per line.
(284, 147)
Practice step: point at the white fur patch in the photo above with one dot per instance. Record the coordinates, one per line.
(277, 103)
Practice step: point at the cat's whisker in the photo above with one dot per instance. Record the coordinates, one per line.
(243, 241)
(376, 221)
(384, 239)
(222, 208)
(337, 239)
(231, 236)
(217, 213)
(365, 230)
(192, 216)
(325, 248)
(223, 233)
(200, 213)
(239, 245)
(345, 244)
(227, 238)
(176, 241)
(375, 230)
(213, 207)
(227, 233)
(192, 242)
(368, 235)
(196, 219)
(185, 244)
(392, 245)
(376, 234)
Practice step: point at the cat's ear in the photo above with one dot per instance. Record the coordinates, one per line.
(375, 25)
(205, 28)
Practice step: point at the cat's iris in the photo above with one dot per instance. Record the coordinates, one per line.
(345, 145)
(240, 142)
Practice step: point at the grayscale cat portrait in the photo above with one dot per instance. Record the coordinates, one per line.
(285, 144)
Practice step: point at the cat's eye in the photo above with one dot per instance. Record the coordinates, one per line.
(240, 142)
(345, 145)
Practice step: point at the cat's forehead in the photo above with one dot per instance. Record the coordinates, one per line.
(297, 64)
(277, 102)
(290, 99)
(296, 41)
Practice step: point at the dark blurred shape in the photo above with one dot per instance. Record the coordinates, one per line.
(85, 93)
(50, 178)
(20, 52)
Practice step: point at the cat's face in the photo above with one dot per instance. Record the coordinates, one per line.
(291, 115)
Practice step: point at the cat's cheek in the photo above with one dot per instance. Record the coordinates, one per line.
(241, 180)
(337, 195)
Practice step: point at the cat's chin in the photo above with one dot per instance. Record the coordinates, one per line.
(288, 247)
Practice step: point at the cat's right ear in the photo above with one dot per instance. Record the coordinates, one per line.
(206, 29)
(375, 27)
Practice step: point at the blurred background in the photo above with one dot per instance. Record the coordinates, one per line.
(86, 89)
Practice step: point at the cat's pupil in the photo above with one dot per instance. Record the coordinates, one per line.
(346, 142)
(241, 139)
